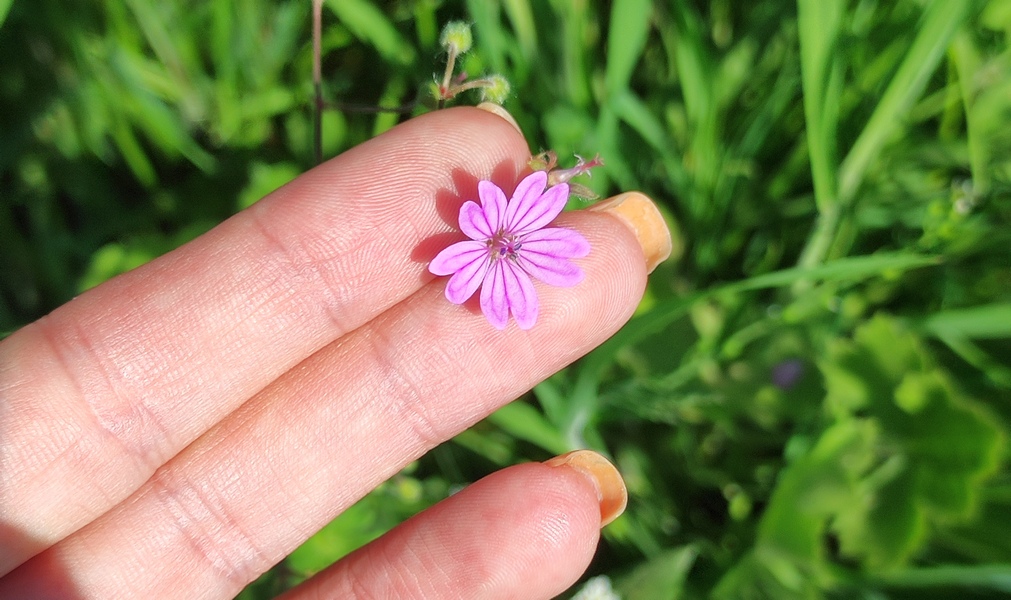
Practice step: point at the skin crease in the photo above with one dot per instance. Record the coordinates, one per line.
(178, 430)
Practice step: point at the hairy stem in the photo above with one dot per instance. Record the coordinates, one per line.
(447, 76)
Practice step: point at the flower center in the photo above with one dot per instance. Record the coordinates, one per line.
(504, 246)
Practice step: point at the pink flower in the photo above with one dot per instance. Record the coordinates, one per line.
(508, 244)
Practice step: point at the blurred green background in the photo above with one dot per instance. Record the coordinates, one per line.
(814, 398)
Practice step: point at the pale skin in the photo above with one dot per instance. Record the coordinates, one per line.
(178, 430)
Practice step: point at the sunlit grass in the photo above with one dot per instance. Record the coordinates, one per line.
(837, 175)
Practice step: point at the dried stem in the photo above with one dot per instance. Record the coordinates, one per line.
(317, 79)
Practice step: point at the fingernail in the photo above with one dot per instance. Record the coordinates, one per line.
(495, 109)
(610, 488)
(641, 215)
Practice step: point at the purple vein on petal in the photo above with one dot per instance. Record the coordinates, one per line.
(465, 281)
(540, 211)
(494, 202)
(494, 302)
(522, 299)
(474, 222)
(551, 270)
(455, 257)
(525, 198)
(557, 242)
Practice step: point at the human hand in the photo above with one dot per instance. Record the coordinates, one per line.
(183, 427)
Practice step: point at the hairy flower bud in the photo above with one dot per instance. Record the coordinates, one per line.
(496, 90)
(456, 37)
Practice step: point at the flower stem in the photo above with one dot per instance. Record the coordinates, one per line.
(447, 76)
(463, 87)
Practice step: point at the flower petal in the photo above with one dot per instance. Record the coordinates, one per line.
(494, 203)
(529, 210)
(531, 186)
(557, 242)
(494, 301)
(457, 256)
(474, 222)
(551, 270)
(526, 194)
(521, 295)
(465, 282)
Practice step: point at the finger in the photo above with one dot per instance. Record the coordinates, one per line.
(248, 492)
(108, 387)
(528, 531)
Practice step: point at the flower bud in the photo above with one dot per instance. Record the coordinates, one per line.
(436, 91)
(456, 37)
(496, 90)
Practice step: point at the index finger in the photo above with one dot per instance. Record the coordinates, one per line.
(97, 395)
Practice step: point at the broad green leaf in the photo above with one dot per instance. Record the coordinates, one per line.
(906, 453)
(815, 487)
(937, 445)
(787, 559)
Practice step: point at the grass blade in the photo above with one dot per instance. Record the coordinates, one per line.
(629, 28)
(940, 22)
(992, 321)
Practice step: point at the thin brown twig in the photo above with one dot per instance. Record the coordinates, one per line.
(317, 79)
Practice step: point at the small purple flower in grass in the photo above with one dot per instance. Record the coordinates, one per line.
(508, 244)
(787, 373)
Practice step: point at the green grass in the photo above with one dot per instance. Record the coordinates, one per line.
(837, 175)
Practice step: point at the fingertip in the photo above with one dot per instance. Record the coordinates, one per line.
(640, 214)
(605, 478)
(615, 274)
(528, 531)
(500, 112)
(495, 124)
